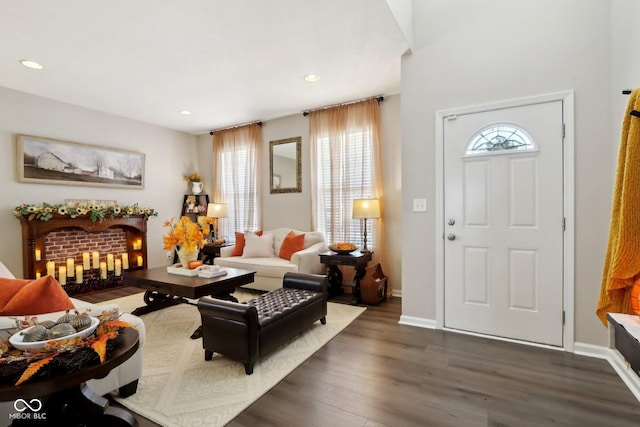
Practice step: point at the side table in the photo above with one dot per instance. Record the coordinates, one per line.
(358, 260)
(209, 252)
(66, 400)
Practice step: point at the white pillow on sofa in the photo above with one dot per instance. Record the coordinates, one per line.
(258, 246)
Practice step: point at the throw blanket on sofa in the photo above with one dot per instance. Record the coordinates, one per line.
(622, 260)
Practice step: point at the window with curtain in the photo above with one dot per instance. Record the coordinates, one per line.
(237, 168)
(345, 166)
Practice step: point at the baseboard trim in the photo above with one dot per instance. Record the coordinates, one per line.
(417, 321)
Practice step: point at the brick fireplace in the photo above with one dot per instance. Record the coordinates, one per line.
(62, 238)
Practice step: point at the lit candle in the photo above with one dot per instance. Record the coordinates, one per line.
(118, 267)
(37, 274)
(137, 245)
(103, 270)
(62, 275)
(79, 278)
(85, 261)
(69, 267)
(139, 260)
(96, 259)
(110, 262)
(125, 261)
(51, 268)
(38, 255)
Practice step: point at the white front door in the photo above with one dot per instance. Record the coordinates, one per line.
(503, 214)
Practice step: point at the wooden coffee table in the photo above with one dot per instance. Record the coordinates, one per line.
(164, 289)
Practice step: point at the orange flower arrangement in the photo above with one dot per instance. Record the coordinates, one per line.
(184, 233)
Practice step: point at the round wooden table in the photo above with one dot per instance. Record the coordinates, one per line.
(66, 399)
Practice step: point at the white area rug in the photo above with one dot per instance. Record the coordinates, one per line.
(179, 388)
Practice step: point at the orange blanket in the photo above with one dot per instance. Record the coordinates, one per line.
(622, 260)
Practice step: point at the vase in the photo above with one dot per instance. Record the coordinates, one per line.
(196, 187)
(184, 257)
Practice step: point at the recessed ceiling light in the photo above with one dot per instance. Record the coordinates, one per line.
(311, 78)
(185, 112)
(32, 64)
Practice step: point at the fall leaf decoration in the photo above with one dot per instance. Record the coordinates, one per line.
(33, 369)
(73, 351)
(112, 325)
(100, 344)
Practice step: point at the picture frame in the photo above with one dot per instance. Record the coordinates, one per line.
(52, 161)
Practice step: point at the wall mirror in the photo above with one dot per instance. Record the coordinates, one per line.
(285, 165)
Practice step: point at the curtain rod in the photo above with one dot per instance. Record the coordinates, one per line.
(306, 113)
(211, 132)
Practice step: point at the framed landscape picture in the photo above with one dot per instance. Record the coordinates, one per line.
(51, 161)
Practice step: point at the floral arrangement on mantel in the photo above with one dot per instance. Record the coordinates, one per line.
(46, 211)
(60, 357)
(185, 234)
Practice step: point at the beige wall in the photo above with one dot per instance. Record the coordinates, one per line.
(294, 209)
(469, 53)
(169, 156)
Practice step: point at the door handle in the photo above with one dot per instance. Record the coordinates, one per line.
(451, 221)
(451, 236)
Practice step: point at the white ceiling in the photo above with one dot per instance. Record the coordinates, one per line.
(228, 61)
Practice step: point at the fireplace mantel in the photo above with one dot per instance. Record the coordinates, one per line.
(34, 232)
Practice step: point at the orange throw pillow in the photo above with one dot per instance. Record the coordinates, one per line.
(291, 244)
(43, 295)
(239, 247)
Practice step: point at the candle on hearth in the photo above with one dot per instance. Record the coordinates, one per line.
(139, 260)
(69, 267)
(85, 261)
(125, 261)
(79, 278)
(37, 274)
(38, 255)
(51, 268)
(62, 275)
(110, 262)
(118, 267)
(96, 259)
(103, 270)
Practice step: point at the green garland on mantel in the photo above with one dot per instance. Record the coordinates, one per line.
(46, 211)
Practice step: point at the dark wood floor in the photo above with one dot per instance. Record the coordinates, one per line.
(379, 373)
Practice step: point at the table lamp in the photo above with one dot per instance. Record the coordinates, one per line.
(366, 209)
(216, 211)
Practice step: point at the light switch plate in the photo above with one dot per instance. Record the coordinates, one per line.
(419, 205)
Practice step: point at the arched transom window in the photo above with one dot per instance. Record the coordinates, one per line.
(499, 138)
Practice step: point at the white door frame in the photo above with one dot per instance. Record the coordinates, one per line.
(568, 199)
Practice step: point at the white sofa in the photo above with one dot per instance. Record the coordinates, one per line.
(269, 271)
(124, 377)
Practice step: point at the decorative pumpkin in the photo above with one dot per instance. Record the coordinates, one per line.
(635, 298)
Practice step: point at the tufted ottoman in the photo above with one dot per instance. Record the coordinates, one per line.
(250, 330)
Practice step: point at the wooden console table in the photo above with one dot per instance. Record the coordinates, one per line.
(358, 260)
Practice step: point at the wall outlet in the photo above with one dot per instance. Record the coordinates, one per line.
(419, 205)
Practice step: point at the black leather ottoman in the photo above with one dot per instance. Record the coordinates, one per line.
(250, 330)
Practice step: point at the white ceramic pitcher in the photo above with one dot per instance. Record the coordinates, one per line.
(196, 187)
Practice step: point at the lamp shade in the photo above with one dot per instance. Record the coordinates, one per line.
(217, 210)
(366, 208)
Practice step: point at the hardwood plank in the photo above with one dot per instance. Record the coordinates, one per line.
(379, 373)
